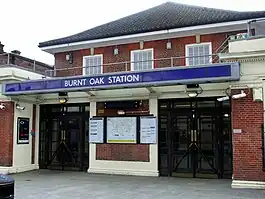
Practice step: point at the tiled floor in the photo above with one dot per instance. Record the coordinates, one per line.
(54, 184)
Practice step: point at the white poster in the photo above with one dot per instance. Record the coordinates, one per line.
(148, 130)
(121, 129)
(96, 130)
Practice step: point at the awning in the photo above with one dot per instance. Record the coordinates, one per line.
(213, 73)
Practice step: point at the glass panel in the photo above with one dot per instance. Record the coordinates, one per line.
(142, 60)
(73, 109)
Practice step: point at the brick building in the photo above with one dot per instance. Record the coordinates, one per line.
(163, 92)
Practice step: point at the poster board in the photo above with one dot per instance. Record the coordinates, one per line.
(96, 130)
(148, 130)
(121, 129)
(22, 130)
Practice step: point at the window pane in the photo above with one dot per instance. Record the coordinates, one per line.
(198, 54)
(142, 60)
(93, 65)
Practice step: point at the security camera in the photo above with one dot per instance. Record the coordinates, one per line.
(221, 99)
(20, 107)
(242, 94)
(2, 106)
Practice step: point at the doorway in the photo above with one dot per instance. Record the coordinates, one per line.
(195, 138)
(64, 137)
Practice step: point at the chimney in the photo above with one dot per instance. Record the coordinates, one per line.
(17, 52)
(1, 48)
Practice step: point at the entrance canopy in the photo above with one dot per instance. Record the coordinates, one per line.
(213, 73)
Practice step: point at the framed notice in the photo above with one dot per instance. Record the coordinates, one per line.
(96, 130)
(148, 130)
(121, 129)
(22, 130)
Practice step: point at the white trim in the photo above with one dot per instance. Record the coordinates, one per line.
(18, 169)
(197, 44)
(241, 184)
(89, 56)
(154, 33)
(127, 172)
(141, 50)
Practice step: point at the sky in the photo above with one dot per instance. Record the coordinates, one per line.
(25, 23)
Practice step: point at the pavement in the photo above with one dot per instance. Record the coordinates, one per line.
(45, 184)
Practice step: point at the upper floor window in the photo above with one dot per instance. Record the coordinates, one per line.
(142, 59)
(197, 54)
(92, 64)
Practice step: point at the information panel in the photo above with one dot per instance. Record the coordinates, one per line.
(96, 130)
(148, 130)
(22, 130)
(121, 129)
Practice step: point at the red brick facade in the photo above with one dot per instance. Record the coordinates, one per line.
(6, 134)
(247, 153)
(160, 51)
(123, 152)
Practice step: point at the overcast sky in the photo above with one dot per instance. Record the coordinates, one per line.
(25, 23)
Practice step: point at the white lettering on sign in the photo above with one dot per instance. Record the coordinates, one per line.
(97, 81)
(123, 79)
(74, 83)
(94, 81)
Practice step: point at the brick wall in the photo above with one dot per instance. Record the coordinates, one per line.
(123, 152)
(6, 134)
(247, 153)
(160, 51)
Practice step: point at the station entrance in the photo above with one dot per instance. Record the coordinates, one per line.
(64, 137)
(195, 138)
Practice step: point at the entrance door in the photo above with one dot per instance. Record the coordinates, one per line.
(66, 143)
(194, 141)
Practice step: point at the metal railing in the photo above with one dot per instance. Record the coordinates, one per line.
(18, 61)
(134, 65)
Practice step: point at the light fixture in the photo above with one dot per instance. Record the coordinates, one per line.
(63, 97)
(69, 57)
(241, 95)
(20, 107)
(121, 112)
(116, 51)
(63, 100)
(193, 90)
(169, 46)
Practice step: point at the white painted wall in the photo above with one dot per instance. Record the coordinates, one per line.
(250, 45)
(22, 152)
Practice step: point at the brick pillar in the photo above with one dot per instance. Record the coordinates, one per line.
(6, 134)
(247, 153)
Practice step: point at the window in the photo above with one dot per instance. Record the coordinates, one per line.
(142, 60)
(195, 54)
(93, 65)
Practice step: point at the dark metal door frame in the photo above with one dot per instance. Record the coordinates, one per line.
(195, 150)
(63, 133)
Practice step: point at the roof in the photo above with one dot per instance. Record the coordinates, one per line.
(166, 16)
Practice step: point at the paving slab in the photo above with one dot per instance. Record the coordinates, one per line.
(45, 184)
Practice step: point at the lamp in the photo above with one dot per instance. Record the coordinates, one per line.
(193, 90)
(63, 97)
(241, 95)
(169, 46)
(121, 112)
(69, 58)
(116, 51)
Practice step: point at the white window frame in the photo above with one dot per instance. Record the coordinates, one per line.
(141, 50)
(192, 45)
(84, 66)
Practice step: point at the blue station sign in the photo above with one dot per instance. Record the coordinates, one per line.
(157, 77)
